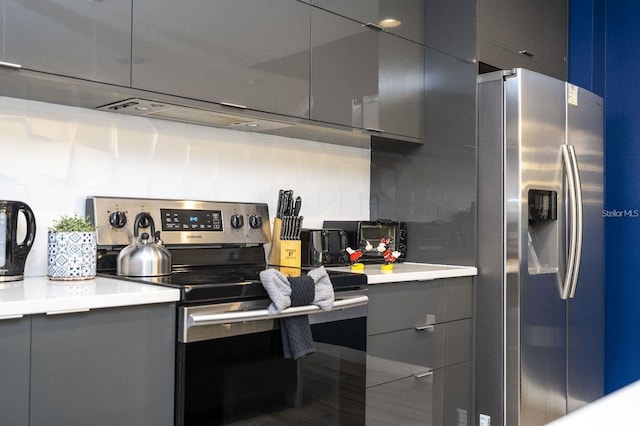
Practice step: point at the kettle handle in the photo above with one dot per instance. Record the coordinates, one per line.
(31, 226)
(138, 221)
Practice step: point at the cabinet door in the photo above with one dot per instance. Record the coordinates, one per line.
(116, 365)
(78, 38)
(403, 18)
(252, 53)
(15, 335)
(521, 33)
(365, 78)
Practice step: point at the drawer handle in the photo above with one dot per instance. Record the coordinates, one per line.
(10, 65)
(232, 105)
(423, 374)
(526, 53)
(428, 328)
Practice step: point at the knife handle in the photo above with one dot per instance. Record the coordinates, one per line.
(297, 206)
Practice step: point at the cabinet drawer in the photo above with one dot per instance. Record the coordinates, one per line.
(439, 399)
(401, 306)
(392, 356)
(405, 305)
(410, 401)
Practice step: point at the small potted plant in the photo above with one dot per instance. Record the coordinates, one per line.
(71, 249)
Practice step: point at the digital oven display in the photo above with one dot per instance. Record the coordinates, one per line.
(191, 220)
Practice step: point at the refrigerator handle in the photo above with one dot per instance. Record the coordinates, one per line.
(576, 221)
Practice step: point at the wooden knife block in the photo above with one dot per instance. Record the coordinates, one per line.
(285, 253)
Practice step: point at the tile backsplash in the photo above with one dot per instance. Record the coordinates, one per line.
(54, 156)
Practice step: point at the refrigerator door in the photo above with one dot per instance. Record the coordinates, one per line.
(535, 263)
(585, 357)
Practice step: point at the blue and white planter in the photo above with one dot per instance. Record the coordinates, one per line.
(71, 256)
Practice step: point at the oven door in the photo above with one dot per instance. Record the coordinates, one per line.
(231, 369)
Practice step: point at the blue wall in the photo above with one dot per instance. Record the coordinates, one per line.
(604, 38)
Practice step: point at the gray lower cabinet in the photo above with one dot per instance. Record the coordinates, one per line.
(251, 53)
(365, 78)
(84, 39)
(403, 18)
(106, 366)
(14, 371)
(419, 353)
(521, 33)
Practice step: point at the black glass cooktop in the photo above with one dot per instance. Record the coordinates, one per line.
(223, 284)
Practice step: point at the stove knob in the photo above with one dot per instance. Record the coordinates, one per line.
(117, 219)
(237, 221)
(255, 221)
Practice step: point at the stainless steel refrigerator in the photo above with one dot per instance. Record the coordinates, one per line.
(540, 288)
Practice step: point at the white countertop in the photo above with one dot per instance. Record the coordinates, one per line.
(408, 271)
(37, 295)
(618, 408)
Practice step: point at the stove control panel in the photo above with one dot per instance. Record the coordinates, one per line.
(180, 222)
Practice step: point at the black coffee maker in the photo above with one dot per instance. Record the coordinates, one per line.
(13, 253)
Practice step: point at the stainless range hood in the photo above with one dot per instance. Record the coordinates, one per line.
(186, 114)
(39, 86)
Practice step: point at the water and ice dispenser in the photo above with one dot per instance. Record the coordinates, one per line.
(542, 231)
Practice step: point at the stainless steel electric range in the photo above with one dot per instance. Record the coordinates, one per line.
(230, 367)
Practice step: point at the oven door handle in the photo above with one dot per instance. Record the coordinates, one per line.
(196, 320)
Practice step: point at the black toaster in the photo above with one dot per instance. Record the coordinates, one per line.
(324, 247)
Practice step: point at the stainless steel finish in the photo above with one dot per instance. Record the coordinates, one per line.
(68, 311)
(229, 104)
(146, 257)
(576, 221)
(10, 65)
(99, 210)
(429, 328)
(424, 374)
(157, 109)
(231, 319)
(374, 26)
(372, 129)
(526, 53)
(585, 311)
(529, 355)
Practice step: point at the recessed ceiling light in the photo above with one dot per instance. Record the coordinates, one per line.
(389, 23)
(141, 108)
(253, 125)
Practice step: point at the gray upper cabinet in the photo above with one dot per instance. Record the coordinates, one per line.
(404, 18)
(251, 53)
(84, 39)
(450, 27)
(522, 33)
(365, 78)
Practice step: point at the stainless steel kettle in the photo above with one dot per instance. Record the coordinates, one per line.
(146, 257)
(13, 253)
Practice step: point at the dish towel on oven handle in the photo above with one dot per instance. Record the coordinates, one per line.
(314, 288)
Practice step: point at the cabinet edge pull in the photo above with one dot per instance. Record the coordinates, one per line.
(371, 129)
(68, 311)
(8, 317)
(423, 374)
(373, 26)
(526, 53)
(10, 65)
(232, 105)
(429, 327)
